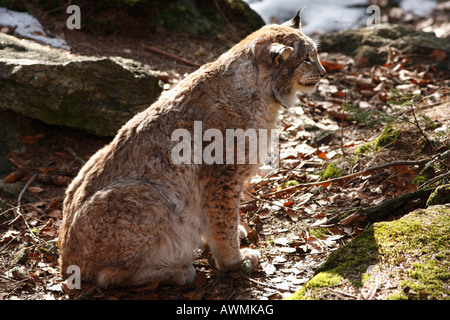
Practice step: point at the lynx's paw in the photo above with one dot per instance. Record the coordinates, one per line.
(242, 232)
(246, 259)
(250, 258)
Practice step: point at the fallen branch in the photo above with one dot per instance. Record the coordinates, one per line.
(169, 55)
(398, 206)
(435, 179)
(326, 183)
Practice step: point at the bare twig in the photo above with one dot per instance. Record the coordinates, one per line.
(419, 128)
(343, 293)
(19, 200)
(271, 173)
(88, 293)
(19, 205)
(60, 8)
(75, 156)
(433, 180)
(327, 182)
(11, 279)
(169, 55)
(268, 285)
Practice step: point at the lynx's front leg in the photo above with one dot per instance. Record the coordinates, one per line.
(222, 213)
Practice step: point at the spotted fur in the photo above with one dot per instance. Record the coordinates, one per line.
(132, 216)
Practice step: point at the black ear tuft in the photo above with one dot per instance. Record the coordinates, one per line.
(295, 22)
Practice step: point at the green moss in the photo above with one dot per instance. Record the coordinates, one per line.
(388, 136)
(398, 296)
(290, 183)
(361, 252)
(416, 247)
(419, 180)
(331, 172)
(325, 279)
(319, 232)
(364, 149)
(322, 280)
(440, 195)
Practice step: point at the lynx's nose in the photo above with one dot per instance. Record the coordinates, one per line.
(322, 70)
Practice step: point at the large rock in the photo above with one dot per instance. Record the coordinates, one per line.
(138, 17)
(403, 259)
(203, 17)
(374, 42)
(97, 95)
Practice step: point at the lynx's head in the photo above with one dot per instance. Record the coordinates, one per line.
(285, 59)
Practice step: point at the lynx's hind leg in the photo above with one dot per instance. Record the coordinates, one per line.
(131, 234)
(167, 276)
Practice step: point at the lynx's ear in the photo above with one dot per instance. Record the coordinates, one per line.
(295, 22)
(279, 52)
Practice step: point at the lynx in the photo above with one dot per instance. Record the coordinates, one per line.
(133, 215)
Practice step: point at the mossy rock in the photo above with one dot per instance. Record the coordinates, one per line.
(374, 42)
(439, 196)
(412, 254)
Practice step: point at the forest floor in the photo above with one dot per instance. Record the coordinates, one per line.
(293, 217)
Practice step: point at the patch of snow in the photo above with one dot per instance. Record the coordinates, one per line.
(28, 26)
(329, 15)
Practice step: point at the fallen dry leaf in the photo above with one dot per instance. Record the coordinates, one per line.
(54, 204)
(322, 155)
(346, 221)
(30, 140)
(288, 204)
(439, 55)
(15, 176)
(48, 231)
(35, 189)
(292, 214)
(57, 214)
(331, 65)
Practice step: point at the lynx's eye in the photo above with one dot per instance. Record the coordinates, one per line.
(307, 60)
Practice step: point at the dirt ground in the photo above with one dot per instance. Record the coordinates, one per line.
(288, 221)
